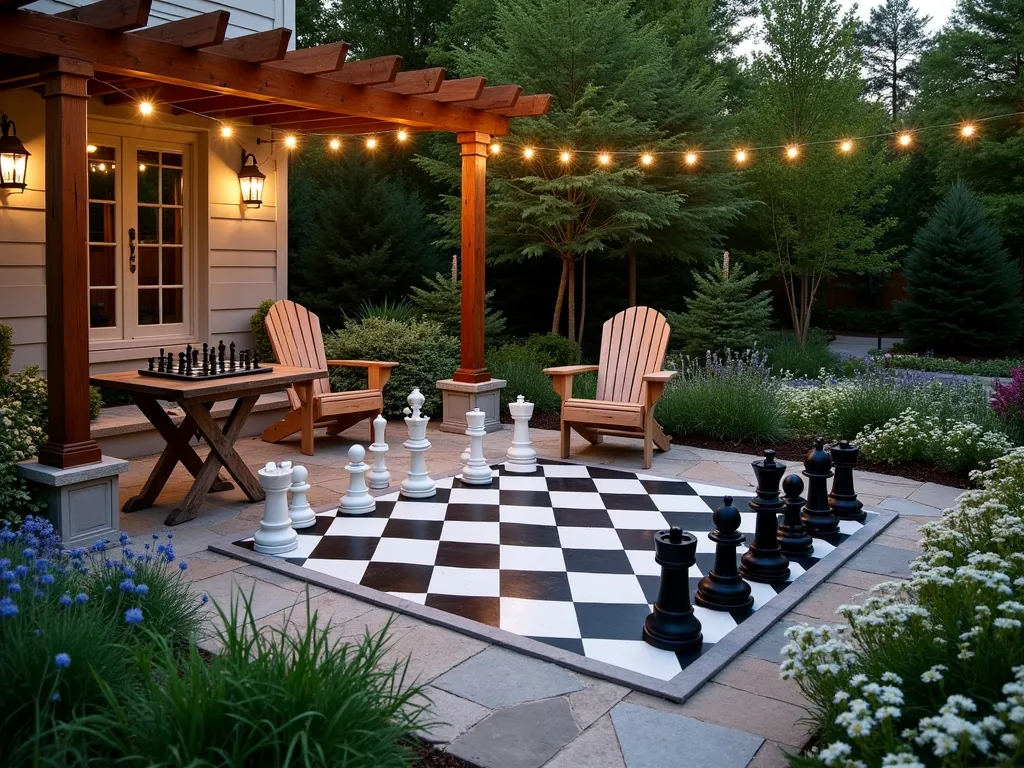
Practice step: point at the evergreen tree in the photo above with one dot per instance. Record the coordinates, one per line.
(892, 43)
(961, 285)
(815, 220)
(724, 313)
(355, 236)
(441, 302)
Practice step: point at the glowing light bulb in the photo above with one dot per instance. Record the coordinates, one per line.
(402, 134)
(290, 141)
(968, 130)
(102, 167)
(142, 167)
(90, 148)
(495, 148)
(846, 146)
(528, 153)
(146, 108)
(335, 144)
(741, 156)
(371, 143)
(604, 158)
(565, 157)
(792, 152)
(647, 158)
(905, 139)
(691, 158)
(226, 131)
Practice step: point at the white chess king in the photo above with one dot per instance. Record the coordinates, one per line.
(476, 470)
(276, 535)
(521, 456)
(417, 484)
(357, 499)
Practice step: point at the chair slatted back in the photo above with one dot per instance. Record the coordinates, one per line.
(633, 344)
(295, 336)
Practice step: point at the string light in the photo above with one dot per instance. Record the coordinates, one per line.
(402, 134)
(565, 157)
(741, 156)
(226, 131)
(371, 143)
(528, 153)
(495, 148)
(691, 158)
(90, 148)
(968, 130)
(905, 139)
(792, 152)
(290, 141)
(142, 167)
(335, 144)
(647, 158)
(145, 108)
(604, 158)
(846, 146)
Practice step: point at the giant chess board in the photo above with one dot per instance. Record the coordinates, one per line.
(564, 556)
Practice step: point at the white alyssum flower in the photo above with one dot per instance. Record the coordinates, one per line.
(934, 674)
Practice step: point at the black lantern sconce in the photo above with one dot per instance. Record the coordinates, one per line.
(250, 180)
(13, 156)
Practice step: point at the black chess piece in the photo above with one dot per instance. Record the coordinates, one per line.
(255, 359)
(672, 626)
(220, 356)
(206, 358)
(195, 358)
(843, 499)
(794, 539)
(151, 363)
(232, 355)
(723, 589)
(169, 368)
(160, 363)
(763, 561)
(188, 359)
(181, 363)
(248, 362)
(817, 517)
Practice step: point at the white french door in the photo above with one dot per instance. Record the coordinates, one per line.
(140, 238)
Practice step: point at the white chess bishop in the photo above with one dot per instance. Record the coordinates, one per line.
(521, 456)
(476, 471)
(276, 535)
(357, 499)
(417, 484)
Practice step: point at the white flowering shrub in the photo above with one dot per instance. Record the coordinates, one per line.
(930, 672)
(20, 438)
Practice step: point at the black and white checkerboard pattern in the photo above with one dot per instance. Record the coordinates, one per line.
(564, 556)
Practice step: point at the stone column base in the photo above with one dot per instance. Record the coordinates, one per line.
(458, 397)
(81, 501)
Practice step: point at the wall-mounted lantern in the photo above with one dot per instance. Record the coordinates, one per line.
(250, 180)
(13, 156)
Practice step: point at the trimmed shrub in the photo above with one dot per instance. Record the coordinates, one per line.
(1001, 367)
(425, 354)
(20, 438)
(552, 349)
(260, 338)
(6, 349)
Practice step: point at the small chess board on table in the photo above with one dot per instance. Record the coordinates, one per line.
(564, 556)
(218, 362)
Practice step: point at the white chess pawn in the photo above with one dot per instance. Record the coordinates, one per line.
(521, 456)
(299, 511)
(357, 499)
(417, 484)
(379, 477)
(476, 471)
(275, 535)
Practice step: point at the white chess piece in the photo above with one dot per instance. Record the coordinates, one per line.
(379, 477)
(417, 484)
(476, 471)
(357, 499)
(275, 535)
(299, 511)
(521, 456)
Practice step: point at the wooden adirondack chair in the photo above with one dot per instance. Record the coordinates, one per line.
(629, 383)
(295, 336)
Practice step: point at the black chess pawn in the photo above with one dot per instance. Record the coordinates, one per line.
(672, 626)
(794, 539)
(151, 363)
(843, 499)
(723, 589)
(763, 561)
(817, 517)
(181, 363)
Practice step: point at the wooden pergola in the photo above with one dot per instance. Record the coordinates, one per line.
(105, 50)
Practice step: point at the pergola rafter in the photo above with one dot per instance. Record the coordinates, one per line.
(104, 50)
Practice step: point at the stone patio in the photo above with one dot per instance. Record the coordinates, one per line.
(501, 708)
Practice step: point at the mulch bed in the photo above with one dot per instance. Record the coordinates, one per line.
(430, 757)
(790, 450)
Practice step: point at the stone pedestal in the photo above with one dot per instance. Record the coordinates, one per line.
(81, 502)
(459, 397)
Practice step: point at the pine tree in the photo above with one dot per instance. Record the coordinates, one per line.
(961, 285)
(724, 313)
(891, 43)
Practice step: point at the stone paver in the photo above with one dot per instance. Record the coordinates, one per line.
(862, 580)
(940, 496)
(769, 645)
(502, 678)
(887, 561)
(731, 707)
(594, 700)
(761, 677)
(821, 604)
(433, 650)
(597, 747)
(452, 716)
(523, 736)
(770, 755)
(897, 542)
(655, 739)
(908, 507)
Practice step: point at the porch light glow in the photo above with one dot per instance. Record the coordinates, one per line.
(13, 157)
(226, 131)
(145, 108)
(251, 179)
(90, 148)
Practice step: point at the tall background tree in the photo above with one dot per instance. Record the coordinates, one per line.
(892, 42)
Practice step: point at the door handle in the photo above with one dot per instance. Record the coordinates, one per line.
(131, 250)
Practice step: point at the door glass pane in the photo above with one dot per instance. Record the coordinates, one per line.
(102, 308)
(172, 225)
(148, 225)
(172, 305)
(172, 267)
(149, 266)
(149, 182)
(102, 174)
(149, 306)
(148, 157)
(171, 186)
(102, 223)
(102, 265)
(172, 158)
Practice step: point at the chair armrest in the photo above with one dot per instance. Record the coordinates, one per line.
(570, 370)
(361, 364)
(656, 385)
(659, 376)
(377, 373)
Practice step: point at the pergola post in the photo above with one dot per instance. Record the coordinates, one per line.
(472, 368)
(67, 268)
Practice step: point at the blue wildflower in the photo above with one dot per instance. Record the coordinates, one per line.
(146, 547)
(8, 608)
(37, 632)
(62, 660)
(29, 553)
(108, 563)
(4, 563)
(14, 588)
(156, 536)
(204, 599)
(142, 589)
(46, 578)
(65, 599)
(133, 616)
(182, 566)
(42, 563)
(81, 597)
(124, 539)
(8, 576)
(39, 593)
(169, 553)
(129, 572)
(21, 571)
(108, 589)
(55, 696)
(127, 585)
(160, 548)
(170, 535)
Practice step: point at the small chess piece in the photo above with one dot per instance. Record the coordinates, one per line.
(188, 360)
(763, 561)
(160, 362)
(206, 358)
(521, 457)
(723, 589)
(232, 348)
(817, 516)
(672, 625)
(357, 499)
(181, 363)
(275, 536)
(476, 471)
(299, 511)
(843, 499)
(379, 477)
(255, 359)
(151, 363)
(793, 537)
(221, 349)
(417, 484)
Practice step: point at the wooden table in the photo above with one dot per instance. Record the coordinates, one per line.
(196, 398)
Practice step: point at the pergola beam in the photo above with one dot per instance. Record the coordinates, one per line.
(167, 94)
(534, 105)
(193, 33)
(463, 89)
(497, 97)
(258, 47)
(382, 69)
(314, 61)
(137, 56)
(112, 15)
(415, 81)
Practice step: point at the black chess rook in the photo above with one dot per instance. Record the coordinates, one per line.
(817, 516)
(764, 562)
(794, 539)
(843, 499)
(672, 625)
(723, 589)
